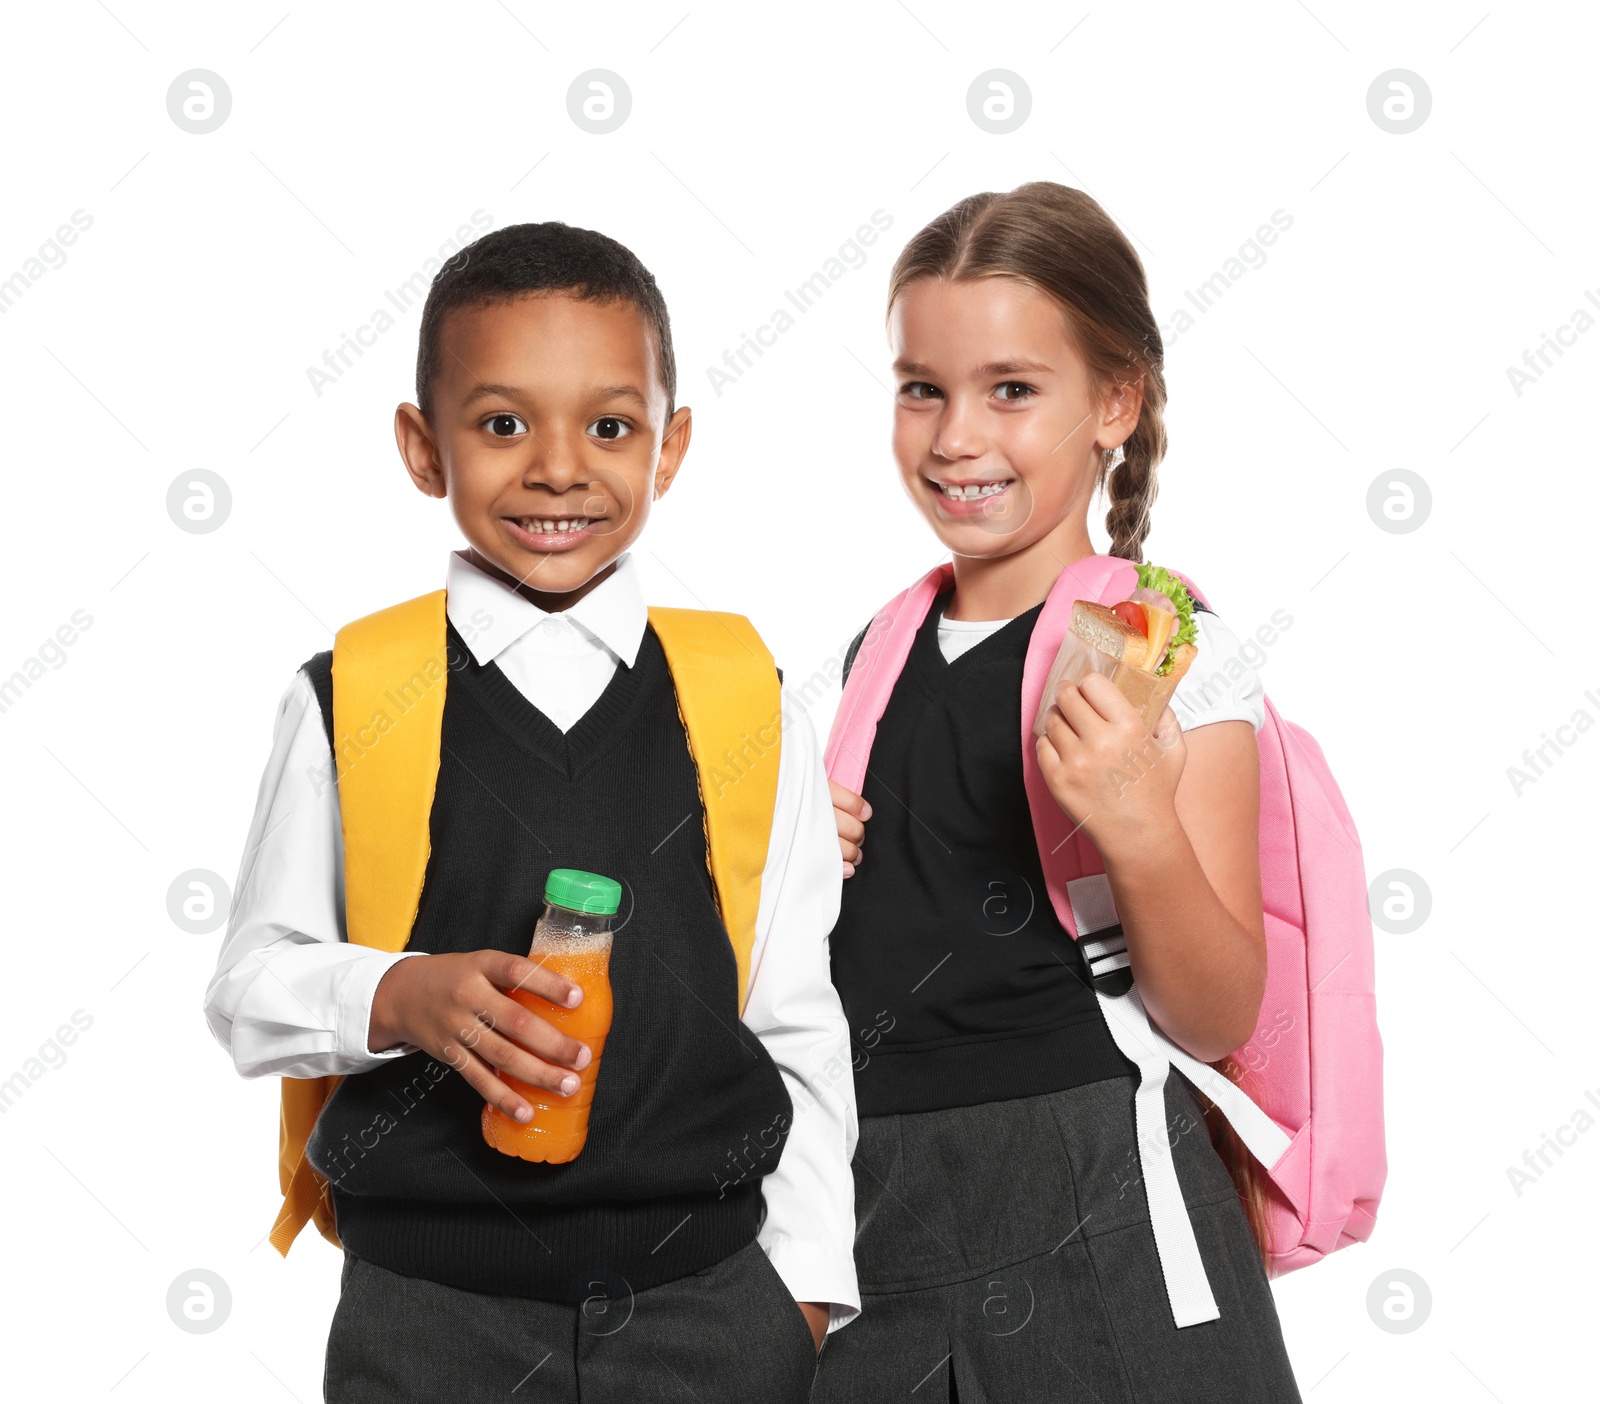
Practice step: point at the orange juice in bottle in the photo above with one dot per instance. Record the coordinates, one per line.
(573, 938)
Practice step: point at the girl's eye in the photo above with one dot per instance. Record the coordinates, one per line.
(1013, 390)
(608, 426)
(505, 426)
(920, 390)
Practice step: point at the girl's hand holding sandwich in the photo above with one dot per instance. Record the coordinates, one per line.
(1114, 779)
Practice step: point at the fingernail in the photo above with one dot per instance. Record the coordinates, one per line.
(569, 1085)
(866, 811)
(574, 996)
(582, 1060)
(525, 1115)
(849, 869)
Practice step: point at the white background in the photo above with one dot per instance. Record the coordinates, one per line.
(1377, 336)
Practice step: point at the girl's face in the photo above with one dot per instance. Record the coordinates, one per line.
(997, 429)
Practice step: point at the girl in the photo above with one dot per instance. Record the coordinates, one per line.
(1004, 1245)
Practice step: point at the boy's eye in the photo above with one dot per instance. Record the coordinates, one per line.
(608, 426)
(505, 426)
(1013, 390)
(920, 390)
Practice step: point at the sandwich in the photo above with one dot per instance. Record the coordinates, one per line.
(1144, 644)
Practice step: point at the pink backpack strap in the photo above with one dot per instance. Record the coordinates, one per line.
(1081, 896)
(878, 664)
(1065, 850)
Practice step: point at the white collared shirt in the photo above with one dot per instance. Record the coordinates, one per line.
(560, 662)
(292, 998)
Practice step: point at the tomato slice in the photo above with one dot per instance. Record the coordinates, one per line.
(1132, 615)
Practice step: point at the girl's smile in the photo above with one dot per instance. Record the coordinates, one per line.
(964, 497)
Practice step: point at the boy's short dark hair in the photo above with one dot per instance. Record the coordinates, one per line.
(541, 258)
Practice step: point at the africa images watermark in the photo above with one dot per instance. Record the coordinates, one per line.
(851, 254)
(52, 1054)
(395, 704)
(1536, 360)
(405, 295)
(743, 1159)
(339, 1159)
(1201, 693)
(52, 653)
(1537, 760)
(1536, 1160)
(1251, 255)
(737, 764)
(52, 254)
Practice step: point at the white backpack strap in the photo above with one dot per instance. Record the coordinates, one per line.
(1188, 1288)
(1262, 1136)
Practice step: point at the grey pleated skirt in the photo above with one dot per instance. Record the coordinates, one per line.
(1005, 1256)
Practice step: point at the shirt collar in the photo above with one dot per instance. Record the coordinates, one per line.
(491, 616)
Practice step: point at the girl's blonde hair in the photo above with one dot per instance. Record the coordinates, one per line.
(1060, 241)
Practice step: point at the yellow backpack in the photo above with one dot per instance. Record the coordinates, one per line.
(389, 676)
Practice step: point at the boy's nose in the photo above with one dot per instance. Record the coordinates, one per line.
(553, 463)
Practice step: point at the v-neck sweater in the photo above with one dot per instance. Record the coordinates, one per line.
(689, 1109)
(960, 984)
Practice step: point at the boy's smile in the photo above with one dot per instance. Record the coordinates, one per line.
(550, 435)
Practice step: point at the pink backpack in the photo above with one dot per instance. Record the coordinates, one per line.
(1313, 1116)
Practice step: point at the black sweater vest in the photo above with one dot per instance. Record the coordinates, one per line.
(959, 983)
(689, 1109)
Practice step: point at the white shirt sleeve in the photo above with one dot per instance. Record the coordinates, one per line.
(809, 1230)
(290, 996)
(1222, 683)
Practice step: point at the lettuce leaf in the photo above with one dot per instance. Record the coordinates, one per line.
(1154, 577)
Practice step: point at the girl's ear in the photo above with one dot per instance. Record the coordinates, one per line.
(419, 450)
(1121, 401)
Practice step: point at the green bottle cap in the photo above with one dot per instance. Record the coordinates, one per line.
(583, 892)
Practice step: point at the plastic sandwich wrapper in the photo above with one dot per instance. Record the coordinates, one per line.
(1075, 660)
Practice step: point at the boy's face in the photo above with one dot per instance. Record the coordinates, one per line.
(549, 435)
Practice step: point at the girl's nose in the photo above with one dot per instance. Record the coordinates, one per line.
(956, 434)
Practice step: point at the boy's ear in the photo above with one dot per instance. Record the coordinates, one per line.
(419, 450)
(1119, 411)
(674, 444)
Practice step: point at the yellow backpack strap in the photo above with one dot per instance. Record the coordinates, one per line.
(729, 700)
(389, 673)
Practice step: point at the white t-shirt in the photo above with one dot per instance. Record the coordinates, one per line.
(1219, 686)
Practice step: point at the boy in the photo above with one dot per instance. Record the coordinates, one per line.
(425, 778)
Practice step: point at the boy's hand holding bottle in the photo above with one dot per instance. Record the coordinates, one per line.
(481, 1013)
(573, 938)
(456, 1008)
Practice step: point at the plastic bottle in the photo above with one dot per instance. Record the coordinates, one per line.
(573, 938)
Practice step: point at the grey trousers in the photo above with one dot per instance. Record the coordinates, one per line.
(1005, 1257)
(731, 1334)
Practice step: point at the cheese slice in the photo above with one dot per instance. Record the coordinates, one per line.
(1159, 625)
